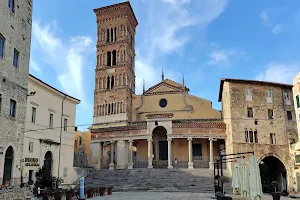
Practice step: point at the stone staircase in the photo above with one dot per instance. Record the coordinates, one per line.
(165, 180)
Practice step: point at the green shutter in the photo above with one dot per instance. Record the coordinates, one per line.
(298, 101)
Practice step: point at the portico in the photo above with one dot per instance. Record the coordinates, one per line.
(164, 144)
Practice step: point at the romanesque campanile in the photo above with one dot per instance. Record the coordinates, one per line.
(114, 75)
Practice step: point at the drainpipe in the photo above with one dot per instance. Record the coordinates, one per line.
(61, 129)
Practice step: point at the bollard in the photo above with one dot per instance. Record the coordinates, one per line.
(81, 189)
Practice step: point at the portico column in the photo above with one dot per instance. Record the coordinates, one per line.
(130, 163)
(101, 155)
(112, 165)
(150, 153)
(190, 164)
(170, 153)
(211, 153)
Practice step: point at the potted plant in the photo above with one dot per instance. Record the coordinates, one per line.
(90, 193)
(221, 195)
(58, 195)
(276, 195)
(109, 190)
(102, 191)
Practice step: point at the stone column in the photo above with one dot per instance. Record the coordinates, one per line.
(170, 166)
(112, 149)
(150, 153)
(101, 154)
(190, 164)
(130, 162)
(211, 153)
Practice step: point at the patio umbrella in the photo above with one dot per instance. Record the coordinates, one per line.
(244, 179)
(254, 179)
(235, 178)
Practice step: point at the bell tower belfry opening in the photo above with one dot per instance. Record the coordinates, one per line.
(114, 74)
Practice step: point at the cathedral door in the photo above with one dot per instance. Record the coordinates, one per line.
(163, 150)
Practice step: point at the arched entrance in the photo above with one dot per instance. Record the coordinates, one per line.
(48, 160)
(8, 164)
(272, 169)
(160, 144)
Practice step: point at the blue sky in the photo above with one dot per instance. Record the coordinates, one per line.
(204, 40)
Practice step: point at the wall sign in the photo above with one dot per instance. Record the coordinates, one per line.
(32, 162)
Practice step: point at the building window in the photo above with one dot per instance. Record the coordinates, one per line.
(80, 140)
(12, 108)
(65, 124)
(272, 138)
(2, 41)
(248, 94)
(0, 102)
(251, 136)
(163, 103)
(286, 96)
(269, 96)
(270, 114)
(289, 115)
(51, 121)
(30, 149)
(33, 114)
(249, 112)
(269, 93)
(16, 59)
(246, 136)
(255, 136)
(298, 101)
(11, 5)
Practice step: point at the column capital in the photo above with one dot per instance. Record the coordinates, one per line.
(212, 139)
(190, 139)
(112, 141)
(130, 141)
(149, 140)
(169, 139)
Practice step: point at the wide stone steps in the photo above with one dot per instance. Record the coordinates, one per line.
(167, 180)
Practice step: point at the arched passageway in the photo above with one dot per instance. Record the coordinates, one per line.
(48, 161)
(8, 165)
(160, 143)
(272, 169)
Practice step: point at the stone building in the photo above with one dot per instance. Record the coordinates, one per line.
(260, 117)
(49, 134)
(82, 148)
(15, 39)
(296, 149)
(165, 127)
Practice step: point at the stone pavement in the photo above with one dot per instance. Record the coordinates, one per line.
(167, 196)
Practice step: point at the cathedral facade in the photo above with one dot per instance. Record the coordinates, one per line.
(164, 127)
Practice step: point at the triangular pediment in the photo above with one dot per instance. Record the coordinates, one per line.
(165, 87)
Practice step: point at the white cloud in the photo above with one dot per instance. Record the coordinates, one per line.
(279, 72)
(66, 57)
(35, 67)
(167, 19)
(275, 27)
(221, 56)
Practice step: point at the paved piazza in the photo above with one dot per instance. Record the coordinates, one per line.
(165, 195)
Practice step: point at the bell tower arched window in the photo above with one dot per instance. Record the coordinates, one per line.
(108, 58)
(111, 35)
(115, 33)
(114, 54)
(112, 82)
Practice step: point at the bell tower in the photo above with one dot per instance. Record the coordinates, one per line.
(114, 74)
